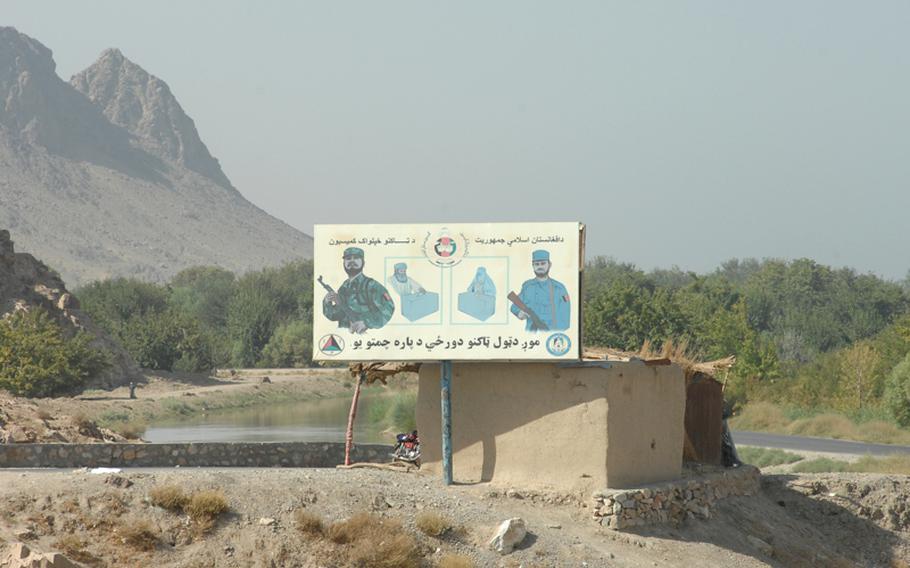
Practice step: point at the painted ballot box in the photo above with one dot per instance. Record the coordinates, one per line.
(416, 306)
(479, 306)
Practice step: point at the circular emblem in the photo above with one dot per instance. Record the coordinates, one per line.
(331, 344)
(558, 344)
(445, 248)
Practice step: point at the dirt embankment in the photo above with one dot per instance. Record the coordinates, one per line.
(111, 415)
(110, 520)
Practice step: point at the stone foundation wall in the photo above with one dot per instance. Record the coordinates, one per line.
(221, 454)
(675, 501)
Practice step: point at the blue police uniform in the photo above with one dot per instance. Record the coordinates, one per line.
(548, 298)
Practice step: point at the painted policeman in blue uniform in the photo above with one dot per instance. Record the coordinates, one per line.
(546, 297)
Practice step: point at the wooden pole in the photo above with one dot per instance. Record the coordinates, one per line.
(349, 434)
(446, 395)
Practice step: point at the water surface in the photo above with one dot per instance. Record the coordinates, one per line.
(323, 420)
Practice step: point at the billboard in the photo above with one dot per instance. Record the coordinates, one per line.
(433, 292)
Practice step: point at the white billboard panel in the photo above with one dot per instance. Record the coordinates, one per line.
(432, 292)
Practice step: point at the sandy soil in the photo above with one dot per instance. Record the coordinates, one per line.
(812, 520)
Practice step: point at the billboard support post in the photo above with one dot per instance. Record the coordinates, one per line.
(446, 395)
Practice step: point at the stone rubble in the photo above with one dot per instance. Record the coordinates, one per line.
(674, 501)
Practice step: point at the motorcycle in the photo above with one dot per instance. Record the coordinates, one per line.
(407, 448)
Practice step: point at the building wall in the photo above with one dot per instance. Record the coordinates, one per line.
(546, 425)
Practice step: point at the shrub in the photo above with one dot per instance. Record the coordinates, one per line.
(308, 523)
(36, 359)
(897, 391)
(139, 535)
(376, 542)
(168, 497)
(74, 548)
(205, 507)
(290, 346)
(130, 430)
(432, 523)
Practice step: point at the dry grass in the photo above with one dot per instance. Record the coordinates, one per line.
(205, 507)
(456, 561)
(309, 523)
(74, 548)
(349, 530)
(824, 426)
(376, 542)
(130, 430)
(432, 523)
(676, 351)
(82, 422)
(168, 497)
(138, 534)
(769, 417)
(896, 464)
(882, 432)
(761, 417)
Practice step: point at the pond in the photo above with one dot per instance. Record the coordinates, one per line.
(323, 420)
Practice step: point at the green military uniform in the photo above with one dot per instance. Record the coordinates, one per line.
(360, 299)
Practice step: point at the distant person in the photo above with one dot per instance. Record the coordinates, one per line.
(546, 297)
(404, 284)
(361, 303)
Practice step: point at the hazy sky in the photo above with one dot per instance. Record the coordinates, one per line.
(680, 132)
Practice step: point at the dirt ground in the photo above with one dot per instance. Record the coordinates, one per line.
(810, 520)
(796, 520)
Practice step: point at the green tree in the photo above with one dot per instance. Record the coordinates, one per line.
(252, 318)
(167, 341)
(37, 359)
(204, 293)
(897, 392)
(110, 303)
(290, 346)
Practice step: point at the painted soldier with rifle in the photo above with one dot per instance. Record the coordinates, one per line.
(361, 303)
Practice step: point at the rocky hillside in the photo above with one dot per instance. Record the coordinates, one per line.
(27, 283)
(107, 176)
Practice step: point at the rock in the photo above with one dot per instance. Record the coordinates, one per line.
(509, 534)
(25, 534)
(20, 556)
(761, 545)
(267, 521)
(118, 481)
(379, 502)
(264, 380)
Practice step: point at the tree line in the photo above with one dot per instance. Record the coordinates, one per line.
(804, 334)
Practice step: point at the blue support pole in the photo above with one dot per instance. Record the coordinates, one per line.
(446, 422)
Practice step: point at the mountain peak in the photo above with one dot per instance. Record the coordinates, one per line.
(143, 104)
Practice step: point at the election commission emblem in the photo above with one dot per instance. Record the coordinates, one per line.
(331, 344)
(445, 248)
(558, 344)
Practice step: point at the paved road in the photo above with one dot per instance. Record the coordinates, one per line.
(807, 444)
